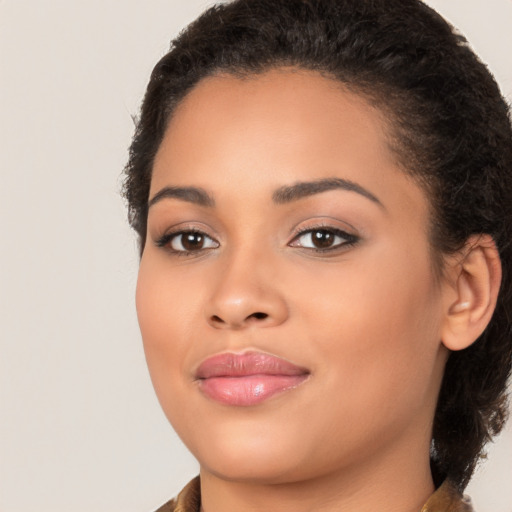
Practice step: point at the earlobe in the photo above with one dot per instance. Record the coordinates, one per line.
(475, 277)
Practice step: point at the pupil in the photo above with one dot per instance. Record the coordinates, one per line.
(322, 239)
(192, 241)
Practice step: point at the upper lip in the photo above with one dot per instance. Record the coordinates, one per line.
(229, 364)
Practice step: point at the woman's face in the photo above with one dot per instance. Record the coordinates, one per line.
(290, 313)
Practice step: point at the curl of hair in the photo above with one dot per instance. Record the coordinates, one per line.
(450, 130)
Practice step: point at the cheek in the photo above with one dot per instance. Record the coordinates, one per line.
(167, 302)
(376, 321)
(164, 313)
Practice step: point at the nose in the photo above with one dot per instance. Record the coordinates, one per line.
(246, 295)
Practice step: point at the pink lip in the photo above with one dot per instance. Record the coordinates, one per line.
(247, 379)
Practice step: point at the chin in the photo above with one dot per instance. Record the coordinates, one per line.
(256, 469)
(247, 452)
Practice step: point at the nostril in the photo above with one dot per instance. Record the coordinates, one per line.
(258, 316)
(232, 322)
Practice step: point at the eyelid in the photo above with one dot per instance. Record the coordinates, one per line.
(327, 223)
(166, 228)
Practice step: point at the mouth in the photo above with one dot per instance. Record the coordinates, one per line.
(247, 379)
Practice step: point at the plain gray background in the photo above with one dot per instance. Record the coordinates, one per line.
(80, 428)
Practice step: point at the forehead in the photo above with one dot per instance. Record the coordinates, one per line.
(281, 111)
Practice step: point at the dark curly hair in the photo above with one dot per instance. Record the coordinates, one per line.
(451, 132)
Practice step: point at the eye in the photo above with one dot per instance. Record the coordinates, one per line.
(187, 241)
(323, 239)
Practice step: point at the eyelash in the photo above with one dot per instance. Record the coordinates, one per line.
(349, 240)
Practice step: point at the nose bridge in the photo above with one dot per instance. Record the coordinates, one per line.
(246, 291)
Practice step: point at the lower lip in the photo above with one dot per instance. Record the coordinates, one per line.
(248, 389)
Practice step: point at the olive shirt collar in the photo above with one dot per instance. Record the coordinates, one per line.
(445, 499)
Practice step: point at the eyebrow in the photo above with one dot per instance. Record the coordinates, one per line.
(193, 195)
(283, 195)
(304, 189)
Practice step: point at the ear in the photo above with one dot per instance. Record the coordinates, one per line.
(473, 282)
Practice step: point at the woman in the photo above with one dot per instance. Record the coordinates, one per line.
(323, 196)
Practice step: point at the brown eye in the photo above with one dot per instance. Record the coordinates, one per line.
(323, 239)
(190, 241)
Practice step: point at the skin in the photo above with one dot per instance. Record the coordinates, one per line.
(366, 319)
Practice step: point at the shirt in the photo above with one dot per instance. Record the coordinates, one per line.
(445, 499)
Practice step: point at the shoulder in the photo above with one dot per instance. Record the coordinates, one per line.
(188, 500)
(170, 506)
(448, 499)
